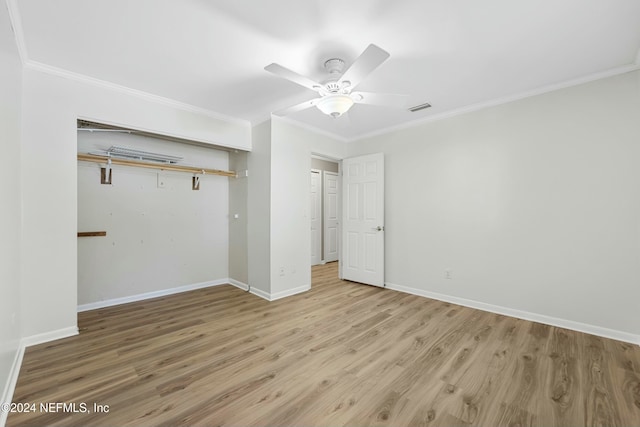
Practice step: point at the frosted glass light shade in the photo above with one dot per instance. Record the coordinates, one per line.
(335, 105)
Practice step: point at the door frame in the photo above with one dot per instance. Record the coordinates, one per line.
(324, 213)
(338, 160)
(320, 231)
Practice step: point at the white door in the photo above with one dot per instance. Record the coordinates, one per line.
(316, 218)
(330, 235)
(362, 252)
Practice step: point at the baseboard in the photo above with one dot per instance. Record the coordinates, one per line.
(525, 315)
(289, 292)
(12, 380)
(186, 288)
(278, 295)
(10, 387)
(238, 284)
(49, 336)
(149, 295)
(260, 293)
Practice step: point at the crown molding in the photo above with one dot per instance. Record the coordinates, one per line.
(309, 127)
(48, 69)
(258, 120)
(499, 101)
(82, 78)
(16, 24)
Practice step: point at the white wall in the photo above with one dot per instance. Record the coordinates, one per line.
(291, 149)
(10, 212)
(278, 205)
(290, 251)
(51, 105)
(533, 205)
(157, 238)
(259, 209)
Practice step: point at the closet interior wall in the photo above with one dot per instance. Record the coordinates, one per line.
(161, 234)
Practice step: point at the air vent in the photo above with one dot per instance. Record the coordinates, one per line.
(419, 107)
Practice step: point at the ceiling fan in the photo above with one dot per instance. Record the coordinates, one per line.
(336, 93)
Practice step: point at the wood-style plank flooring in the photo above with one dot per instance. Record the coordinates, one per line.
(340, 354)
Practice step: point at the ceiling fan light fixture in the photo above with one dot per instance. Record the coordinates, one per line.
(335, 105)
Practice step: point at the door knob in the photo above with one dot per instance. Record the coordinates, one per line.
(378, 228)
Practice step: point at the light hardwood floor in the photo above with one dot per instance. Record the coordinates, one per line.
(340, 354)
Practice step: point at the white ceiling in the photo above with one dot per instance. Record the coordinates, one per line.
(453, 54)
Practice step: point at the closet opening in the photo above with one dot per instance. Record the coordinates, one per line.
(153, 212)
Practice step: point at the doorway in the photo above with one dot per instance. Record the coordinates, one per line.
(324, 210)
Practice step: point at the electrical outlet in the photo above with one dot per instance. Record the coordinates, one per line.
(281, 271)
(448, 274)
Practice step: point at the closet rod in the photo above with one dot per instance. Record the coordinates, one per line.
(115, 161)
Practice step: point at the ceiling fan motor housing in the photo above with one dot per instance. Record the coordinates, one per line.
(334, 65)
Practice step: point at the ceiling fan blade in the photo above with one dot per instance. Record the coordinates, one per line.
(286, 73)
(295, 108)
(384, 99)
(371, 58)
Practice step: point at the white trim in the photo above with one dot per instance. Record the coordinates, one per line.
(320, 242)
(324, 214)
(16, 23)
(238, 284)
(331, 159)
(525, 315)
(261, 119)
(60, 72)
(278, 295)
(260, 293)
(499, 101)
(12, 380)
(289, 292)
(149, 295)
(49, 336)
(228, 147)
(311, 128)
